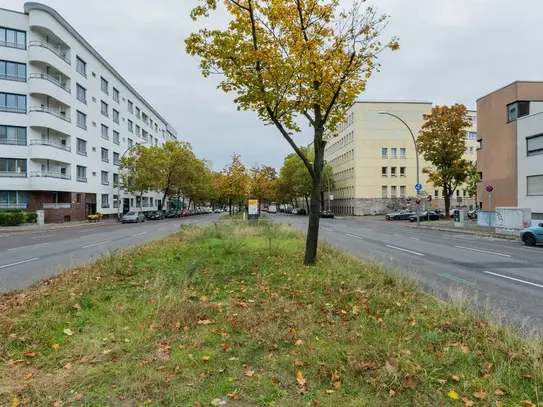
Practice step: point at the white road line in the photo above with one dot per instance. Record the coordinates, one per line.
(369, 230)
(414, 238)
(86, 230)
(39, 237)
(405, 250)
(142, 233)
(483, 251)
(395, 234)
(96, 244)
(514, 279)
(28, 247)
(354, 236)
(19, 262)
(165, 227)
(330, 230)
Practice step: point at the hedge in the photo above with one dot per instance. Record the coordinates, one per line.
(12, 218)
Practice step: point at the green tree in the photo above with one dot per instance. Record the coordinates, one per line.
(442, 142)
(262, 182)
(286, 59)
(234, 182)
(137, 172)
(472, 180)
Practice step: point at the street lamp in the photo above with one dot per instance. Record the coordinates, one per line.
(416, 155)
(119, 180)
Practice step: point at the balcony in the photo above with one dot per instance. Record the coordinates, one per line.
(51, 143)
(43, 109)
(12, 174)
(51, 79)
(55, 49)
(8, 205)
(57, 206)
(49, 174)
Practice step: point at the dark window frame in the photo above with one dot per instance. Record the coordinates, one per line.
(537, 151)
(522, 109)
(4, 42)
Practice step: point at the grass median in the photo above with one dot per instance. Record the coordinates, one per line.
(227, 315)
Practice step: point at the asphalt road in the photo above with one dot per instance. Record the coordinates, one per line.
(30, 257)
(503, 275)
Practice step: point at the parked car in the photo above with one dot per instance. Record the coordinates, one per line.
(301, 211)
(172, 213)
(532, 235)
(156, 215)
(327, 214)
(217, 211)
(133, 217)
(404, 214)
(426, 215)
(272, 209)
(474, 213)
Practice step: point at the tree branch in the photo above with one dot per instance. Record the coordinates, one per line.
(239, 5)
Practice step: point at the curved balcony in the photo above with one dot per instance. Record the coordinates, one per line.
(41, 83)
(49, 150)
(49, 181)
(41, 116)
(48, 53)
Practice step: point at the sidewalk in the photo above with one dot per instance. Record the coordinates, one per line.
(24, 229)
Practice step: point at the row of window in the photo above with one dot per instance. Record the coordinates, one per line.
(471, 135)
(393, 153)
(348, 121)
(393, 191)
(13, 166)
(12, 71)
(342, 159)
(463, 192)
(12, 38)
(340, 143)
(393, 171)
(12, 103)
(344, 175)
(342, 193)
(14, 199)
(13, 135)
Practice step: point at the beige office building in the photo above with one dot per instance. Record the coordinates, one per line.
(374, 161)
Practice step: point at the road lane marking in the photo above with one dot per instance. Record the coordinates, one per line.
(96, 244)
(369, 230)
(139, 234)
(328, 229)
(87, 230)
(39, 237)
(395, 234)
(483, 251)
(19, 262)
(514, 279)
(165, 227)
(414, 238)
(405, 250)
(28, 247)
(354, 236)
(457, 279)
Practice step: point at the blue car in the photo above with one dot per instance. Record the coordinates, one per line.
(532, 235)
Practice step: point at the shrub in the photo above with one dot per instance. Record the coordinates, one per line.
(31, 217)
(12, 218)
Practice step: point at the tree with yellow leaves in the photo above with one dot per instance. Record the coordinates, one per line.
(234, 182)
(262, 182)
(286, 59)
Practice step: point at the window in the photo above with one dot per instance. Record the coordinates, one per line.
(116, 158)
(384, 152)
(145, 135)
(130, 126)
(104, 85)
(402, 171)
(12, 71)
(81, 173)
(81, 93)
(12, 103)
(384, 191)
(138, 112)
(393, 171)
(156, 128)
(115, 116)
(517, 110)
(534, 184)
(138, 130)
(15, 136)
(105, 201)
(105, 132)
(130, 143)
(393, 152)
(130, 107)
(393, 192)
(12, 38)
(144, 118)
(78, 198)
(151, 201)
(534, 145)
(115, 137)
(402, 152)
(436, 193)
(471, 149)
(105, 155)
(402, 191)
(81, 120)
(14, 199)
(472, 135)
(13, 166)
(145, 202)
(81, 147)
(104, 109)
(384, 171)
(115, 180)
(81, 66)
(443, 193)
(115, 201)
(104, 177)
(116, 95)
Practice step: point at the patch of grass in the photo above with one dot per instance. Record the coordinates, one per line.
(228, 312)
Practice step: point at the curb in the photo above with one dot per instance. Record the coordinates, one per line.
(27, 232)
(468, 232)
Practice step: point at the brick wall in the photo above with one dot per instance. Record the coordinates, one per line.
(36, 199)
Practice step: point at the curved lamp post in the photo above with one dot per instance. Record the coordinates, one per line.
(416, 155)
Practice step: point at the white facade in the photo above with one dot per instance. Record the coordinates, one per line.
(80, 116)
(530, 160)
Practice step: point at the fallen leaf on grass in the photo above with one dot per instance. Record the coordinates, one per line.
(57, 403)
(452, 394)
(465, 348)
(204, 322)
(28, 376)
(391, 365)
(337, 384)
(299, 342)
(409, 381)
(391, 393)
(68, 366)
(68, 332)
(527, 403)
(456, 378)
(77, 307)
(481, 395)
(29, 354)
(203, 298)
(206, 358)
(180, 346)
(468, 402)
(275, 380)
(499, 392)
(299, 363)
(329, 391)
(55, 346)
(249, 373)
(442, 381)
(226, 347)
(300, 378)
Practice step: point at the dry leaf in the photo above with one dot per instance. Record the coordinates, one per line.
(329, 391)
(527, 403)
(275, 380)
(226, 347)
(68, 366)
(391, 393)
(456, 378)
(316, 402)
(465, 348)
(337, 384)
(442, 381)
(28, 376)
(468, 402)
(486, 376)
(68, 332)
(249, 373)
(499, 392)
(299, 342)
(57, 403)
(391, 365)
(203, 298)
(55, 346)
(355, 310)
(299, 363)
(452, 394)
(409, 381)
(29, 354)
(77, 307)
(180, 346)
(205, 358)
(300, 379)
(499, 404)
(204, 322)
(481, 395)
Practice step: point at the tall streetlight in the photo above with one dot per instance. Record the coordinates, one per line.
(417, 157)
(119, 180)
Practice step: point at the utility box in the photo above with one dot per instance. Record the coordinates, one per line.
(40, 219)
(458, 218)
(510, 220)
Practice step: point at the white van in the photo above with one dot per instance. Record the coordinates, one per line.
(272, 209)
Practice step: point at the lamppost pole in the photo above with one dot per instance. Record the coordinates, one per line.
(119, 181)
(417, 157)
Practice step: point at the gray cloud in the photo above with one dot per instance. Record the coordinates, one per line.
(451, 51)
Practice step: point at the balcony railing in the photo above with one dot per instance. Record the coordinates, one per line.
(12, 109)
(49, 174)
(57, 206)
(50, 143)
(13, 174)
(16, 78)
(12, 142)
(105, 159)
(105, 182)
(51, 79)
(82, 152)
(54, 112)
(117, 162)
(8, 205)
(81, 179)
(9, 44)
(53, 48)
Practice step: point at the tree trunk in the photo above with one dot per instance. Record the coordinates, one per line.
(307, 203)
(447, 202)
(322, 201)
(230, 206)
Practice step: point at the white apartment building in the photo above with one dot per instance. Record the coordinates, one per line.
(66, 119)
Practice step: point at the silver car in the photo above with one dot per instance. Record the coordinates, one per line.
(133, 217)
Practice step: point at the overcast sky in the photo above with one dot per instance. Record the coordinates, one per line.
(451, 51)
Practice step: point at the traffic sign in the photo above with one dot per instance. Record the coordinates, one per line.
(418, 201)
(408, 201)
(489, 189)
(429, 198)
(418, 187)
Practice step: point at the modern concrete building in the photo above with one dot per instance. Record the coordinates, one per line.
(374, 161)
(530, 160)
(66, 119)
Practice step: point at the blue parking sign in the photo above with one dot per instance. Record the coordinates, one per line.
(418, 187)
